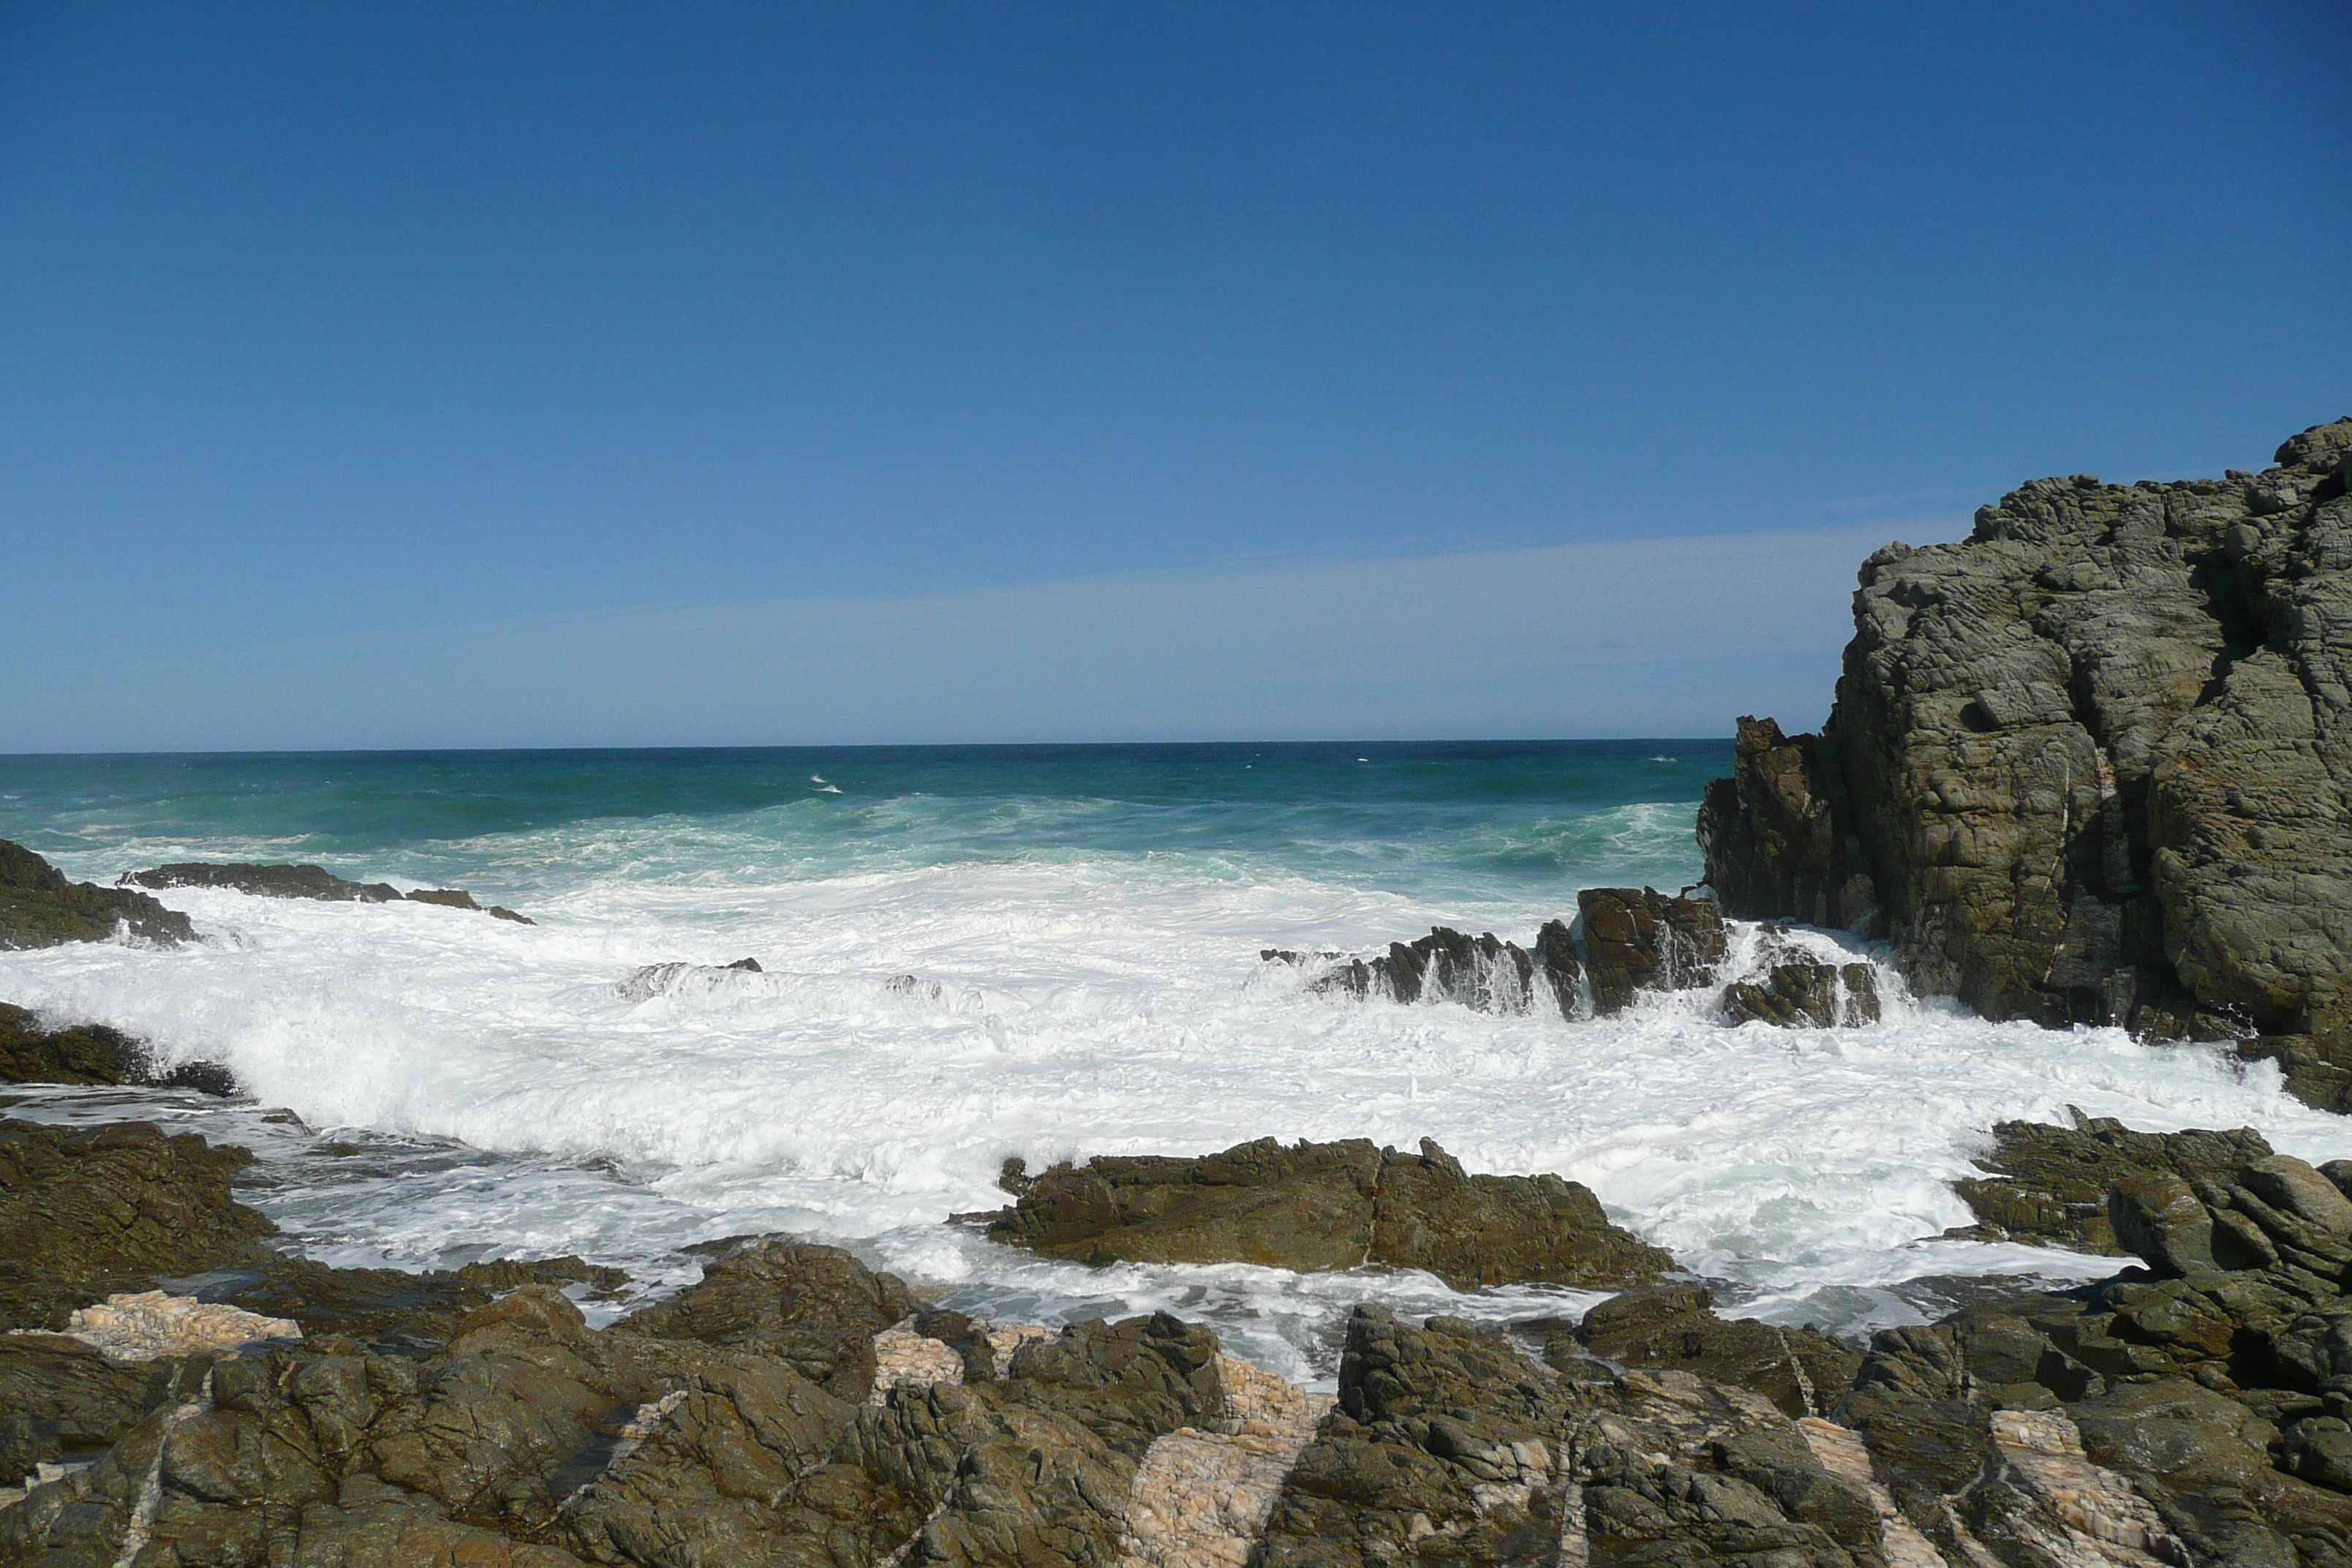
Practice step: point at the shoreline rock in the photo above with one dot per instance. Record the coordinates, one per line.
(1626, 942)
(304, 881)
(2093, 764)
(93, 1053)
(40, 907)
(1317, 1207)
(795, 1406)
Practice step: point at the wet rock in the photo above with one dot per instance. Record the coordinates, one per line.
(1642, 940)
(123, 1201)
(1450, 1446)
(1315, 1207)
(273, 881)
(700, 979)
(63, 1401)
(2050, 1184)
(1802, 1370)
(1482, 972)
(459, 898)
(92, 1053)
(815, 1308)
(40, 908)
(2088, 766)
(1805, 993)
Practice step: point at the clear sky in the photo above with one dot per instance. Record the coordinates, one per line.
(507, 373)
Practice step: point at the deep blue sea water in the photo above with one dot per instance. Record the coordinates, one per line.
(973, 952)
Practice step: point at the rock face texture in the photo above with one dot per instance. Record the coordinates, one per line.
(40, 908)
(2092, 765)
(2045, 1183)
(2193, 1412)
(1326, 1205)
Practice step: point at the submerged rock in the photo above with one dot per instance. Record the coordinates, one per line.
(271, 881)
(304, 881)
(92, 1053)
(39, 907)
(1315, 1207)
(2091, 764)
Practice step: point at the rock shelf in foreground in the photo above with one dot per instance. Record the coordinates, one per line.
(2194, 1411)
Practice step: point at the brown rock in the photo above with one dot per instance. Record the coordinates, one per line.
(1316, 1206)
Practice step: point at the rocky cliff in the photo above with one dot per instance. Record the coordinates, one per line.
(2092, 765)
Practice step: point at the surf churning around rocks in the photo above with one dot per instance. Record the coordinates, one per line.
(970, 954)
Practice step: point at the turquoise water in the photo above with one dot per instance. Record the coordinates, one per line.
(1480, 820)
(1048, 952)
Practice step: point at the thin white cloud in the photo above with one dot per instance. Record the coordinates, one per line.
(1665, 637)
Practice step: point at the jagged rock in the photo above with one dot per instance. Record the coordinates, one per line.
(1632, 940)
(62, 1401)
(1801, 1370)
(40, 908)
(1449, 1446)
(1805, 992)
(2094, 761)
(1644, 940)
(92, 1053)
(1482, 972)
(817, 1308)
(2048, 1184)
(1771, 838)
(1315, 1207)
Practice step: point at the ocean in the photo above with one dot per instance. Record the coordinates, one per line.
(969, 953)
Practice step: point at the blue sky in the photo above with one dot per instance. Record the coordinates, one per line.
(414, 375)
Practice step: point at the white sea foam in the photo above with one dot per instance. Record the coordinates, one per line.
(1065, 1004)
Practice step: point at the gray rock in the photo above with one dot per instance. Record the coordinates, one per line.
(2093, 764)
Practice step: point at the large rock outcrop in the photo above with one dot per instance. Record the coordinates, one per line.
(41, 907)
(2093, 764)
(1313, 1206)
